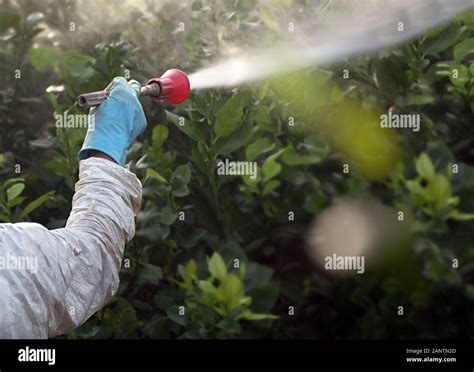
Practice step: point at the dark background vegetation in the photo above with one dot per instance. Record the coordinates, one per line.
(190, 263)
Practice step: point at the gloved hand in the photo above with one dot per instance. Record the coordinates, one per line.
(119, 120)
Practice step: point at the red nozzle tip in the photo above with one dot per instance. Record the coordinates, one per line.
(174, 84)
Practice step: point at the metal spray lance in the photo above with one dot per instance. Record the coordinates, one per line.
(172, 86)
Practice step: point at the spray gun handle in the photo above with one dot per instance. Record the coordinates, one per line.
(172, 86)
(94, 99)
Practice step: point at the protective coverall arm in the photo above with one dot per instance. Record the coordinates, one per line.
(53, 281)
(64, 276)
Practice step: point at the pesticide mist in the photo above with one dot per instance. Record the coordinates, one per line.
(368, 27)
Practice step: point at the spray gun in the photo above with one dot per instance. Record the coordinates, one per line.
(172, 86)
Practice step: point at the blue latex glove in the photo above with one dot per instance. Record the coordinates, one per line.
(119, 120)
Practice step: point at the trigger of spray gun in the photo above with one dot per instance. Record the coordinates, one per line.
(172, 86)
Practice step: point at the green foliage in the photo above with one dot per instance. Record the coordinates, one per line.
(11, 199)
(430, 193)
(229, 115)
(221, 296)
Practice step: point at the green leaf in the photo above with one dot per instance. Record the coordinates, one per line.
(270, 186)
(264, 120)
(460, 216)
(168, 216)
(291, 157)
(435, 270)
(464, 48)
(191, 238)
(264, 91)
(414, 187)
(11, 181)
(229, 325)
(259, 147)
(191, 268)
(236, 140)
(257, 275)
(124, 318)
(438, 192)
(38, 202)
(43, 58)
(206, 287)
(459, 75)
(200, 157)
(163, 302)
(78, 65)
(174, 315)
(154, 175)
(181, 192)
(16, 201)
(420, 99)
(229, 115)
(150, 274)
(245, 301)
(191, 129)
(181, 177)
(242, 270)
(188, 272)
(442, 40)
(14, 191)
(217, 266)
(159, 136)
(390, 77)
(58, 167)
(200, 103)
(275, 156)
(252, 182)
(468, 19)
(270, 169)
(249, 315)
(424, 166)
(231, 291)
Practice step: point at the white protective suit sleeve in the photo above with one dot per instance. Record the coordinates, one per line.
(77, 266)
